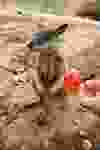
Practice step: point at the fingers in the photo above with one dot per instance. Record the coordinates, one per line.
(90, 88)
(93, 84)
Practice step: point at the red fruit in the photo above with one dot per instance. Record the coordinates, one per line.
(72, 80)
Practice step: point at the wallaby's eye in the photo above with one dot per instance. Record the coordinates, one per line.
(62, 28)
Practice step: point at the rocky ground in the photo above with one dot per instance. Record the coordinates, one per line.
(35, 113)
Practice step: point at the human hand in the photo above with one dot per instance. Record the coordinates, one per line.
(90, 88)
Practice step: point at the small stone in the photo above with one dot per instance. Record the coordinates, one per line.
(87, 145)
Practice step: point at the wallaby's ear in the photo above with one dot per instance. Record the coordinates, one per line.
(89, 14)
(88, 10)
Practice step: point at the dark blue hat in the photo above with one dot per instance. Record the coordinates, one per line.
(98, 26)
(97, 146)
(40, 40)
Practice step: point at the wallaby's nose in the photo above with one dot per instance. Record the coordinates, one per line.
(50, 68)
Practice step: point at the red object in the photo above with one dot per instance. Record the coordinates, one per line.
(72, 80)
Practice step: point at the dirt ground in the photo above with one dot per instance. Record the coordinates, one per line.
(34, 111)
